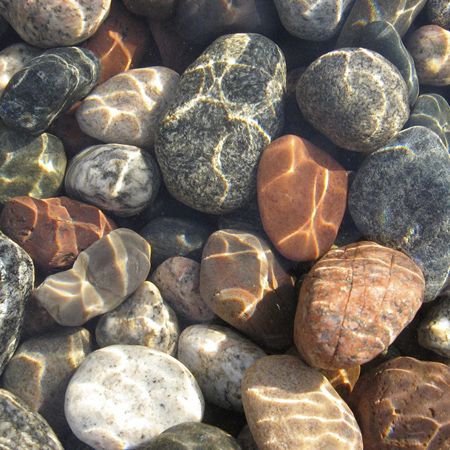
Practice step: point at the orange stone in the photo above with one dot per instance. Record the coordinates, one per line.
(302, 194)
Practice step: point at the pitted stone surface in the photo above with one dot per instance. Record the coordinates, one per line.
(439, 13)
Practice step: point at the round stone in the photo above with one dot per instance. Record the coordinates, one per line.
(439, 13)
(122, 396)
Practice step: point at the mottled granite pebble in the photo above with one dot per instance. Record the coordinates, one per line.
(178, 279)
(22, 428)
(102, 277)
(289, 405)
(40, 370)
(143, 318)
(119, 179)
(122, 396)
(438, 12)
(153, 9)
(399, 197)
(228, 107)
(218, 357)
(53, 23)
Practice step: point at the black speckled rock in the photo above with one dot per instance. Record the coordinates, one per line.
(228, 108)
(16, 283)
(193, 436)
(46, 86)
(383, 38)
(439, 13)
(399, 198)
(356, 97)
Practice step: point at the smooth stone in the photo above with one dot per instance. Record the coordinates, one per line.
(193, 436)
(53, 231)
(41, 368)
(110, 410)
(178, 279)
(246, 440)
(438, 12)
(244, 284)
(404, 403)
(313, 22)
(228, 107)
(218, 357)
(22, 428)
(102, 277)
(47, 86)
(430, 47)
(54, 23)
(289, 405)
(355, 97)
(143, 318)
(127, 108)
(400, 13)
(399, 197)
(120, 179)
(302, 196)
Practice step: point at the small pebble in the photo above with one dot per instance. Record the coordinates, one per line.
(438, 12)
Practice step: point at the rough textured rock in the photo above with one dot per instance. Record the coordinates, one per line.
(399, 197)
(404, 404)
(290, 405)
(65, 227)
(153, 9)
(244, 284)
(439, 13)
(228, 107)
(124, 395)
(302, 196)
(355, 97)
(103, 276)
(354, 302)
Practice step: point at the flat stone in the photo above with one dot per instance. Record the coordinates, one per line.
(40, 370)
(110, 410)
(144, 318)
(293, 406)
(228, 106)
(355, 97)
(178, 279)
(102, 277)
(54, 23)
(404, 403)
(302, 196)
(23, 428)
(65, 226)
(153, 9)
(354, 302)
(438, 12)
(127, 108)
(245, 285)
(399, 197)
(119, 179)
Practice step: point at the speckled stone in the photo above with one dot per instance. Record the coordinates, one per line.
(120, 179)
(314, 22)
(218, 357)
(22, 428)
(438, 12)
(16, 283)
(102, 277)
(355, 97)
(127, 108)
(143, 318)
(228, 107)
(404, 404)
(430, 47)
(122, 396)
(53, 23)
(40, 370)
(153, 9)
(193, 436)
(289, 405)
(244, 284)
(178, 279)
(399, 197)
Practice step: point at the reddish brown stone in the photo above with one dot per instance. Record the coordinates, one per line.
(53, 231)
(353, 304)
(302, 193)
(404, 404)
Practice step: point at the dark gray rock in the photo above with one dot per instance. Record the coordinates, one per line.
(355, 97)
(439, 13)
(153, 9)
(400, 198)
(246, 440)
(228, 108)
